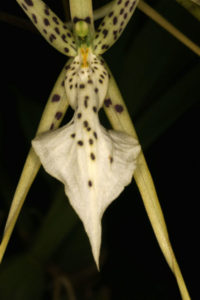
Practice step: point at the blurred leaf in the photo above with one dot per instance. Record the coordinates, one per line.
(21, 278)
(58, 223)
(28, 111)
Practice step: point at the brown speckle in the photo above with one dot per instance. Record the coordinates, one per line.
(92, 156)
(91, 141)
(80, 143)
(89, 183)
(55, 98)
(29, 2)
(107, 102)
(119, 108)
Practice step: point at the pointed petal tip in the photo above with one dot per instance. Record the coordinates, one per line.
(97, 263)
(94, 235)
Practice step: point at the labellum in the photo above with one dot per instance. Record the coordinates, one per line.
(93, 163)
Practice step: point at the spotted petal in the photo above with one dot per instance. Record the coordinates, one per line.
(113, 24)
(94, 164)
(50, 26)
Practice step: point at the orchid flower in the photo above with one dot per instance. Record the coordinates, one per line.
(93, 163)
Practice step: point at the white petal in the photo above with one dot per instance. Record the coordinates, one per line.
(94, 174)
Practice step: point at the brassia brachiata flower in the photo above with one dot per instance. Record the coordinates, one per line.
(93, 163)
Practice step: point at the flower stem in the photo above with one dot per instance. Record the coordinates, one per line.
(155, 16)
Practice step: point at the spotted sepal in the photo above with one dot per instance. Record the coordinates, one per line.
(52, 116)
(50, 26)
(113, 24)
(94, 164)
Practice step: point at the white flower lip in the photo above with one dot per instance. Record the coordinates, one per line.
(93, 164)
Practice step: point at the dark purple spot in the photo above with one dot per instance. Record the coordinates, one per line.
(64, 26)
(132, 6)
(57, 30)
(114, 20)
(69, 34)
(88, 20)
(107, 102)
(24, 6)
(29, 2)
(119, 2)
(126, 4)
(88, 129)
(92, 156)
(110, 14)
(94, 109)
(66, 49)
(86, 101)
(105, 32)
(75, 20)
(82, 86)
(52, 38)
(121, 11)
(34, 18)
(89, 183)
(71, 86)
(55, 98)
(73, 135)
(79, 115)
(105, 46)
(119, 108)
(64, 38)
(58, 115)
(85, 124)
(52, 126)
(62, 83)
(95, 134)
(80, 143)
(111, 159)
(55, 20)
(90, 81)
(46, 22)
(96, 90)
(46, 11)
(100, 80)
(91, 141)
(125, 16)
(67, 67)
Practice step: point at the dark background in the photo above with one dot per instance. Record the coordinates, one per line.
(159, 79)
